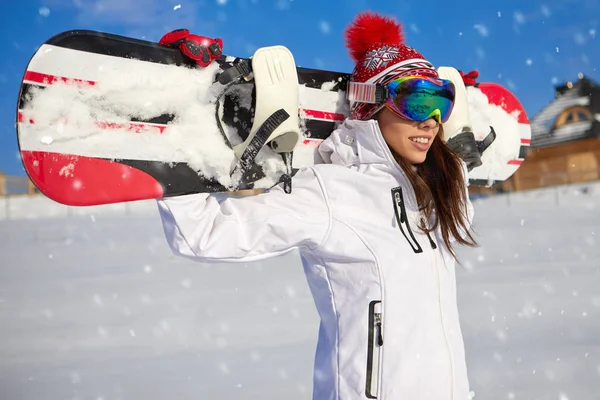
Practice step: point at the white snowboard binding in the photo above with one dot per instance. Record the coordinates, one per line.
(276, 82)
(276, 122)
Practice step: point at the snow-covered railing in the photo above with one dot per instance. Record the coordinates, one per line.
(15, 185)
(33, 207)
(39, 206)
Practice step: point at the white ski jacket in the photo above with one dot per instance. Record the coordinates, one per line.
(385, 292)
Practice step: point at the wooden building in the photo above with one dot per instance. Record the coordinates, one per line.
(565, 141)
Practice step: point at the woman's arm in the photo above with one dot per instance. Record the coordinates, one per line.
(248, 228)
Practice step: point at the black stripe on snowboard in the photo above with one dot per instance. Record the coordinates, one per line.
(119, 46)
(317, 129)
(125, 47)
(187, 180)
(523, 151)
(26, 93)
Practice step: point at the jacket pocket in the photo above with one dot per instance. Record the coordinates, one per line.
(374, 347)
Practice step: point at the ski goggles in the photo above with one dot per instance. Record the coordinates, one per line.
(416, 98)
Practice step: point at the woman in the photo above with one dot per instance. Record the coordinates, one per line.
(375, 228)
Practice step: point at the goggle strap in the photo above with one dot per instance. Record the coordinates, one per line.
(372, 93)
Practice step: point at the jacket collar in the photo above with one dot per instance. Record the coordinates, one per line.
(357, 144)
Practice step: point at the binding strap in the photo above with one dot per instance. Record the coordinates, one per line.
(235, 72)
(482, 145)
(258, 141)
(286, 178)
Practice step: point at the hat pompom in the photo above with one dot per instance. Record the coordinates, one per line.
(369, 28)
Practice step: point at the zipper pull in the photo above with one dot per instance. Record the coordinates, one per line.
(402, 219)
(378, 326)
(399, 204)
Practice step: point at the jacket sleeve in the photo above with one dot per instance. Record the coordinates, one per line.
(241, 229)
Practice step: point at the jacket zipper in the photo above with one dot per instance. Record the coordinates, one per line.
(441, 315)
(402, 219)
(374, 348)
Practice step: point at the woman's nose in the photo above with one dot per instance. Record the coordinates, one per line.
(428, 124)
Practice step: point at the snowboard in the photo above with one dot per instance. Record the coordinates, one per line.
(105, 119)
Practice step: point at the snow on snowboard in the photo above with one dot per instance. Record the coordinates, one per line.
(106, 119)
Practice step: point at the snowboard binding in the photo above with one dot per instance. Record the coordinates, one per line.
(276, 121)
(458, 131)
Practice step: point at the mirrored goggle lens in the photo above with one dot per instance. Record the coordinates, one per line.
(418, 99)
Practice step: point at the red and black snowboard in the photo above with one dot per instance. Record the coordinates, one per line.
(106, 119)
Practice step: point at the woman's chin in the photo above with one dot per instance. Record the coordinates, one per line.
(411, 157)
(416, 159)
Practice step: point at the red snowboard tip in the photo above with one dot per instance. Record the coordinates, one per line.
(85, 181)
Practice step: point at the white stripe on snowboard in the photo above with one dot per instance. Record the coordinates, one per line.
(111, 70)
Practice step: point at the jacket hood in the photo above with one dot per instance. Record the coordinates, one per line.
(357, 142)
(360, 145)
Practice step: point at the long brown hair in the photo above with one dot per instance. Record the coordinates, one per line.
(440, 186)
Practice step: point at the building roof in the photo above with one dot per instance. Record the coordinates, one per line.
(544, 132)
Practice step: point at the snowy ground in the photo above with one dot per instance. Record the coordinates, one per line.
(94, 306)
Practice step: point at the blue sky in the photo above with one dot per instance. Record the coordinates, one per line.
(528, 46)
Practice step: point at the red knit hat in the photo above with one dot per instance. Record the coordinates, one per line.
(376, 44)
